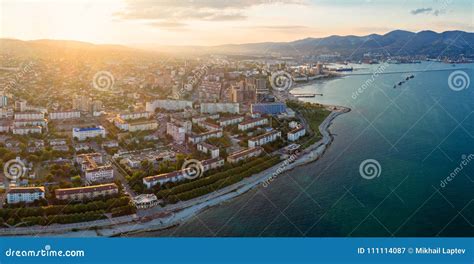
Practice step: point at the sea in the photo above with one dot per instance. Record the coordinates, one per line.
(401, 164)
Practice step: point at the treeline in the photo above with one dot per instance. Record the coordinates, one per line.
(65, 214)
(216, 181)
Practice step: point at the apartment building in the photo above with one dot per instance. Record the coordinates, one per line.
(244, 154)
(24, 194)
(251, 123)
(87, 192)
(264, 139)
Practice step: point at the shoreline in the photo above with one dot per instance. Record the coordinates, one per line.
(161, 218)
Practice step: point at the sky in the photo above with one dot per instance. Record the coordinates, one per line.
(216, 22)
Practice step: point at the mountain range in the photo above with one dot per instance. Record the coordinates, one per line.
(394, 43)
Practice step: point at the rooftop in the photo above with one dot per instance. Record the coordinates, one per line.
(86, 189)
(265, 135)
(82, 129)
(244, 152)
(26, 189)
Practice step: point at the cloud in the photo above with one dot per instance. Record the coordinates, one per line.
(186, 10)
(421, 11)
(428, 11)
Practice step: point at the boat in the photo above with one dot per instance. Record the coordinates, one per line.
(412, 76)
(344, 69)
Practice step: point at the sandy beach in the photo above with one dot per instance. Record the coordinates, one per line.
(171, 215)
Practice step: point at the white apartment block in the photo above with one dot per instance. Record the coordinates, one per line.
(27, 130)
(142, 126)
(240, 155)
(100, 174)
(87, 192)
(64, 115)
(88, 132)
(24, 194)
(296, 133)
(186, 124)
(264, 139)
(135, 126)
(30, 122)
(212, 163)
(212, 108)
(197, 138)
(134, 115)
(178, 133)
(208, 149)
(198, 119)
(177, 176)
(174, 176)
(251, 123)
(230, 121)
(168, 105)
(208, 126)
(29, 115)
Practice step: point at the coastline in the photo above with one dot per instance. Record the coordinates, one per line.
(160, 218)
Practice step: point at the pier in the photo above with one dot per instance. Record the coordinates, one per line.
(306, 95)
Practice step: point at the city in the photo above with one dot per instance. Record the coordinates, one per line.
(177, 131)
(124, 138)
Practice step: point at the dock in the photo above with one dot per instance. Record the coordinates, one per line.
(307, 95)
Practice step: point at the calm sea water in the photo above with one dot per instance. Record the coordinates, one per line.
(419, 133)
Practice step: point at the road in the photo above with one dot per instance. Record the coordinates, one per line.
(120, 175)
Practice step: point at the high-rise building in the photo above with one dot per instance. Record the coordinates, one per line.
(237, 92)
(3, 100)
(20, 105)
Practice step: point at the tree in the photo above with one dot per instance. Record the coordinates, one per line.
(76, 181)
